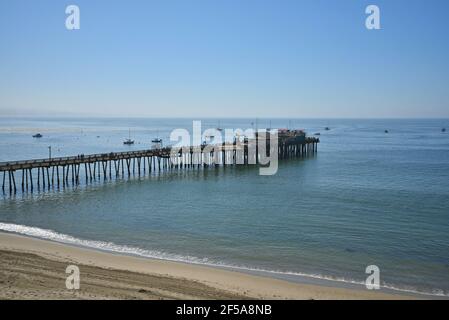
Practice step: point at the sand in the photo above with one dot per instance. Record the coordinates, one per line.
(35, 269)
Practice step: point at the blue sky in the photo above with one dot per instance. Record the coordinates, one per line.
(216, 58)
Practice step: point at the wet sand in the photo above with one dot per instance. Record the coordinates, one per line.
(35, 269)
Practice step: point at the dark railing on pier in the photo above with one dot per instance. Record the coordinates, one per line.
(60, 171)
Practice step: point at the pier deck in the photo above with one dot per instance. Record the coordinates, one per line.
(61, 170)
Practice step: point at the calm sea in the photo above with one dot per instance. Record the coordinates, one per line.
(367, 198)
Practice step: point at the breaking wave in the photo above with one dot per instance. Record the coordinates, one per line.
(155, 254)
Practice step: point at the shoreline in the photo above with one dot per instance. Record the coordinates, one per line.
(221, 283)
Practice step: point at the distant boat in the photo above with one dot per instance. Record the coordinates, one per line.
(327, 128)
(443, 130)
(157, 143)
(37, 135)
(219, 128)
(386, 131)
(128, 141)
(317, 134)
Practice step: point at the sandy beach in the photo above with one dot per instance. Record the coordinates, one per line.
(35, 269)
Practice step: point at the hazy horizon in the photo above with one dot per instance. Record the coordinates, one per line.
(90, 116)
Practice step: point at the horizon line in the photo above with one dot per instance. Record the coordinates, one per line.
(223, 117)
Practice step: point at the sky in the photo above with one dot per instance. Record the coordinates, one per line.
(225, 58)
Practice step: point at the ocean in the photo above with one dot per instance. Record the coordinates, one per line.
(366, 198)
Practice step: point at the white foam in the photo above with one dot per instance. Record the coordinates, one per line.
(155, 254)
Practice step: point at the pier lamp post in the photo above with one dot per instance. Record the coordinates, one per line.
(49, 152)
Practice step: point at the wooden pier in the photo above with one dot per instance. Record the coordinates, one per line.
(63, 171)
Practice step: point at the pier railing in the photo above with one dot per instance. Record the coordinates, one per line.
(290, 145)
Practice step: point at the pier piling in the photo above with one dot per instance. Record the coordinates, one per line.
(291, 144)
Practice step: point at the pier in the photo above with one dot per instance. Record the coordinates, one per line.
(64, 171)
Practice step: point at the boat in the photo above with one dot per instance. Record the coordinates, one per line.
(37, 135)
(327, 128)
(317, 134)
(386, 131)
(157, 143)
(128, 141)
(219, 128)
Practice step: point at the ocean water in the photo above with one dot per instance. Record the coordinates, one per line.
(367, 198)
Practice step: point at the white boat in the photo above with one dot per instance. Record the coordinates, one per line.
(219, 128)
(128, 141)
